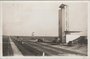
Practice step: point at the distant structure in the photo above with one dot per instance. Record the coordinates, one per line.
(32, 33)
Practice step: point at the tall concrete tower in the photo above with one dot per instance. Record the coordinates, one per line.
(62, 26)
(64, 23)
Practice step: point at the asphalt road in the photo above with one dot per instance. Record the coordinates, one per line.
(7, 49)
(29, 48)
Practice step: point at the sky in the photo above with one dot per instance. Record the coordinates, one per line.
(23, 18)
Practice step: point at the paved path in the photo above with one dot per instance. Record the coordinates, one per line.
(15, 49)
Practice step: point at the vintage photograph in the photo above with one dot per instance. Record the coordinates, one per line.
(44, 28)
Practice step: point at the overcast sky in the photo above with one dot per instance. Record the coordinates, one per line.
(23, 18)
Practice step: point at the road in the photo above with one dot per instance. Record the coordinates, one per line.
(7, 49)
(29, 48)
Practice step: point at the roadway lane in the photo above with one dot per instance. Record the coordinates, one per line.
(16, 51)
(24, 48)
(49, 50)
(38, 49)
(64, 51)
(7, 49)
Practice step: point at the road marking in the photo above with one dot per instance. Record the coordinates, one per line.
(15, 49)
(43, 54)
